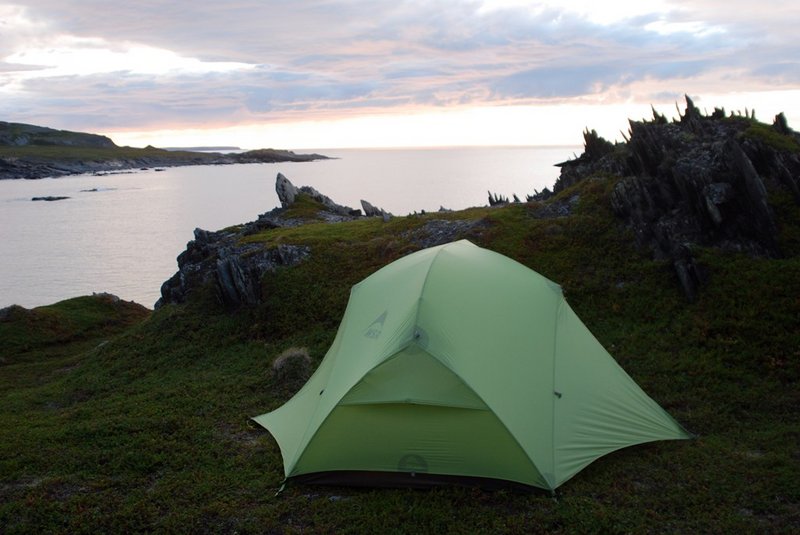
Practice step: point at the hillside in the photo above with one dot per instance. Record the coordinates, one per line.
(22, 135)
(28, 151)
(129, 421)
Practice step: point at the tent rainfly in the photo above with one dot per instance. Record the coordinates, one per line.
(456, 364)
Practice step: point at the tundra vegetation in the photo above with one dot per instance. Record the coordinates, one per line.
(114, 418)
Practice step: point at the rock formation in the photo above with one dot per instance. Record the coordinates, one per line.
(286, 191)
(441, 231)
(287, 194)
(495, 199)
(234, 270)
(374, 211)
(699, 180)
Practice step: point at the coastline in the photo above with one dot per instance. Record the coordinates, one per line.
(36, 162)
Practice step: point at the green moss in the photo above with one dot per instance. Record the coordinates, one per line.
(24, 331)
(769, 136)
(304, 207)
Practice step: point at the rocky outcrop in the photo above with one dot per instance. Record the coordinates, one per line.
(495, 199)
(234, 269)
(441, 231)
(287, 195)
(286, 191)
(374, 211)
(699, 180)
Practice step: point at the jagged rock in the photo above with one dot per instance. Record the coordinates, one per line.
(598, 157)
(782, 125)
(239, 270)
(374, 211)
(287, 194)
(595, 147)
(285, 190)
(235, 270)
(692, 119)
(497, 199)
(329, 204)
(701, 180)
(539, 195)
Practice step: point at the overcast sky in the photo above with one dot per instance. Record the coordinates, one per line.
(329, 73)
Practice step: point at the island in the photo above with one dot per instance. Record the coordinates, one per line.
(29, 151)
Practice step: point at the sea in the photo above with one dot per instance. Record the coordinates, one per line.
(121, 233)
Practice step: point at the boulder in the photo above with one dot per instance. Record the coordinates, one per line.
(285, 190)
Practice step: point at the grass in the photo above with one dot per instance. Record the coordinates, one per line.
(771, 137)
(140, 422)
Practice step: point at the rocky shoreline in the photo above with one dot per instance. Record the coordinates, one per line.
(26, 167)
(33, 152)
(234, 269)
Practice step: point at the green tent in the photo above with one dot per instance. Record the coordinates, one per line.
(457, 364)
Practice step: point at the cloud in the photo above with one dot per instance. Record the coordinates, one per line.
(92, 64)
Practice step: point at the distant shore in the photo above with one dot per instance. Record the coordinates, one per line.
(30, 151)
(34, 162)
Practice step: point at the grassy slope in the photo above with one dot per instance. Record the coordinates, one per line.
(150, 431)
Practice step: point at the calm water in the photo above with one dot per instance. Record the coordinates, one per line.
(124, 237)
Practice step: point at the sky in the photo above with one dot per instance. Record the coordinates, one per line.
(386, 73)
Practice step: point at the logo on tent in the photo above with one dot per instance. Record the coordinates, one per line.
(376, 327)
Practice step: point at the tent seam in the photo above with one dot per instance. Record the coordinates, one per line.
(555, 396)
(425, 282)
